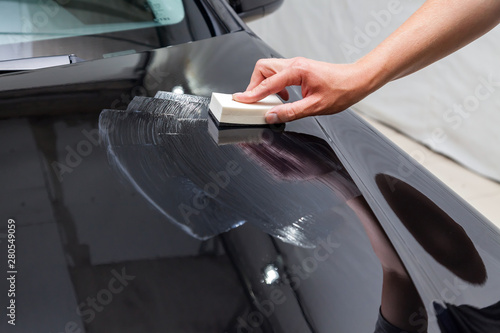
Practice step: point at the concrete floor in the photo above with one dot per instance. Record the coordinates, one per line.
(482, 193)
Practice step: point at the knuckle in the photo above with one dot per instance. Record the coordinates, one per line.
(264, 83)
(290, 112)
(298, 59)
(261, 63)
(300, 63)
(265, 86)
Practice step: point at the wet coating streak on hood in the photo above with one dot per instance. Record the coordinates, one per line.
(163, 143)
(295, 183)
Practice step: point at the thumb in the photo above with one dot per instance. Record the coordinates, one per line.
(287, 112)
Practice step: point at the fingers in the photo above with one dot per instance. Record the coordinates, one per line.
(265, 68)
(264, 82)
(284, 94)
(256, 79)
(272, 76)
(271, 85)
(288, 112)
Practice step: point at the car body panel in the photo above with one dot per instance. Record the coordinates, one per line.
(98, 249)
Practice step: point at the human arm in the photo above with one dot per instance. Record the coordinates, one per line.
(435, 30)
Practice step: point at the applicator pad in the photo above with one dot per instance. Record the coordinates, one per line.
(227, 111)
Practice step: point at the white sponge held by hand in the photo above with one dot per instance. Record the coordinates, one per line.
(227, 111)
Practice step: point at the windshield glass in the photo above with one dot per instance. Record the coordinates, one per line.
(93, 29)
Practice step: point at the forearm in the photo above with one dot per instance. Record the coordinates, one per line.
(437, 29)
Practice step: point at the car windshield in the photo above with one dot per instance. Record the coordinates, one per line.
(93, 29)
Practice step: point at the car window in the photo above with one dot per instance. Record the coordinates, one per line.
(94, 29)
(33, 20)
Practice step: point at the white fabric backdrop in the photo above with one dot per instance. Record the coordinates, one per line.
(453, 106)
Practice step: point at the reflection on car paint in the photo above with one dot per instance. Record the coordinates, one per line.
(448, 244)
(441, 237)
(335, 286)
(177, 126)
(466, 318)
(451, 252)
(212, 181)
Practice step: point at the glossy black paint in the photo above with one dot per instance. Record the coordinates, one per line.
(85, 231)
(449, 249)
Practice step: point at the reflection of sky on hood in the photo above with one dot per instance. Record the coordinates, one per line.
(163, 147)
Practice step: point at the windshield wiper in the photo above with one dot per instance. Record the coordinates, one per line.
(25, 64)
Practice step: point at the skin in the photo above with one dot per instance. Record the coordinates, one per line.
(435, 30)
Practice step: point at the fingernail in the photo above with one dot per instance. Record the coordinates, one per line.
(272, 118)
(236, 95)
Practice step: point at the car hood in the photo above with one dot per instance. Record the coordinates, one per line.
(94, 224)
(222, 64)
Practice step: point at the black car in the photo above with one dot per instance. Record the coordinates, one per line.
(125, 208)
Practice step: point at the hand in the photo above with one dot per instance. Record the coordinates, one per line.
(326, 88)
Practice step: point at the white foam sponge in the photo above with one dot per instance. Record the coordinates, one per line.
(228, 111)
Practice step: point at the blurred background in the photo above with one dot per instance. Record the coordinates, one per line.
(451, 107)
